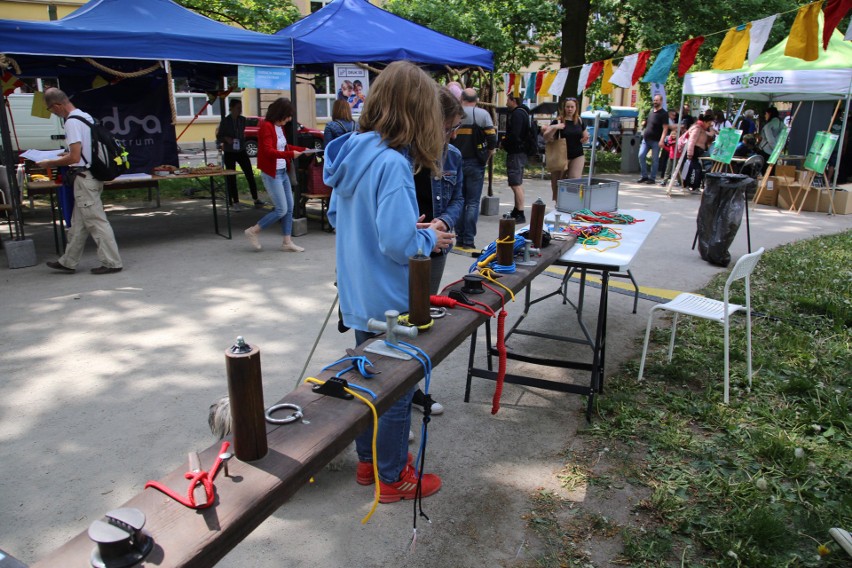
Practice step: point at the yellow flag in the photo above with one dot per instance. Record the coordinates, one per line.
(99, 82)
(547, 82)
(39, 108)
(516, 86)
(732, 52)
(606, 86)
(804, 35)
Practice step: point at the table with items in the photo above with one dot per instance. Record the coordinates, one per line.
(215, 176)
(604, 247)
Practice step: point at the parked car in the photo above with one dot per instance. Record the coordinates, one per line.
(307, 137)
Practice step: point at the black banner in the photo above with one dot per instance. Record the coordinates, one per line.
(138, 113)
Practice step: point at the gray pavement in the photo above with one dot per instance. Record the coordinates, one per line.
(106, 381)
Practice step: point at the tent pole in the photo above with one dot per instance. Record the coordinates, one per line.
(839, 153)
(676, 168)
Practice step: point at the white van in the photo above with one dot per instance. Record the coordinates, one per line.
(29, 132)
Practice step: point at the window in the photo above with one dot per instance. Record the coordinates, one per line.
(318, 5)
(324, 96)
(188, 103)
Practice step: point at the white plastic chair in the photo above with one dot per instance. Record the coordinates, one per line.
(707, 308)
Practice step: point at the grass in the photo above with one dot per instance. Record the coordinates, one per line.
(757, 482)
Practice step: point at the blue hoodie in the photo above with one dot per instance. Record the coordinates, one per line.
(374, 211)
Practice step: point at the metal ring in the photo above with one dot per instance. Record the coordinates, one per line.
(437, 313)
(292, 418)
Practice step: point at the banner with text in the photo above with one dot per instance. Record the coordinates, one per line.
(352, 84)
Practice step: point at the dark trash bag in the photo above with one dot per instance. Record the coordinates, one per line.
(720, 215)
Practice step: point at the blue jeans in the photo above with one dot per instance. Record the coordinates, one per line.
(643, 156)
(392, 441)
(279, 190)
(474, 175)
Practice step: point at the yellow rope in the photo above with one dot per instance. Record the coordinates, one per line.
(316, 381)
(122, 74)
(403, 319)
(488, 274)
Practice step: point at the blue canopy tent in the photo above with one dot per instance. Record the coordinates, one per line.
(355, 31)
(150, 30)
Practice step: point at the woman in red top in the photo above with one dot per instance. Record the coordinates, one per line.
(274, 156)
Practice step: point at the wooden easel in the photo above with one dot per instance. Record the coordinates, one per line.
(808, 178)
(762, 186)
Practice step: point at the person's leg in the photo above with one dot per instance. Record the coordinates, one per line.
(436, 273)
(554, 184)
(276, 192)
(655, 161)
(663, 161)
(473, 179)
(77, 236)
(230, 161)
(575, 167)
(96, 223)
(248, 170)
(643, 160)
(287, 244)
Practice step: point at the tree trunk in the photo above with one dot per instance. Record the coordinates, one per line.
(574, 21)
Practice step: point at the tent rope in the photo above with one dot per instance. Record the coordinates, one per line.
(6, 61)
(121, 74)
(368, 68)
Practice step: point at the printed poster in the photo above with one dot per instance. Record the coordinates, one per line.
(352, 84)
(820, 152)
(779, 146)
(725, 145)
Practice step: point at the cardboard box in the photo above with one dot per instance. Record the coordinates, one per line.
(842, 201)
(769, 195)
(788, 172)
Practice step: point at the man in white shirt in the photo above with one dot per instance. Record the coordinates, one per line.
(88, 216)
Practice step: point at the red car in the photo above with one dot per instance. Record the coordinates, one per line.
(307, 137)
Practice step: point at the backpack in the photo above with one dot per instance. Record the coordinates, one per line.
(109, 158)
(480, 140)
(530, 137)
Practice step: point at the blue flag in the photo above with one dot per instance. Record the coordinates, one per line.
(659, 72)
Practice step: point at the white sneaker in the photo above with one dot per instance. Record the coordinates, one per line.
(292, 247)
(237, 208)
(252, 237)
(437, 408)
(410, 436)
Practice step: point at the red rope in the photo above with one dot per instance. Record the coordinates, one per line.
(501, 365)
(205, 478)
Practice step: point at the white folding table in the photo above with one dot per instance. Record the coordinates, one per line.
(584, 259)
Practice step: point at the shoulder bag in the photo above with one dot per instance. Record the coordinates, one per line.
(556, 155)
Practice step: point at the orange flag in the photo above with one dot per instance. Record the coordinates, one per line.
(606, 86)
(732, 52)
(804, 35)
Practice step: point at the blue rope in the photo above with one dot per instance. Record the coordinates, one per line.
(363, 389)
(518, 248)
(361, 362)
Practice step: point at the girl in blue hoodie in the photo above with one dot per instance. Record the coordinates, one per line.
(374, 212)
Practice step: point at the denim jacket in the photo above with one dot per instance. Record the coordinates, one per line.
(447, 197)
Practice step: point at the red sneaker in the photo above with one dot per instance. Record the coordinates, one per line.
(406, 487)
(364, 473)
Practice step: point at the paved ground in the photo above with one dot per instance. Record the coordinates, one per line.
(106, 382)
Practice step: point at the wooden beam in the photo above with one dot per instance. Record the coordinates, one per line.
(253, 491)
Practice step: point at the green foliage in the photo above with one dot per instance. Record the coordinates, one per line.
(759, 481)
(255, 15)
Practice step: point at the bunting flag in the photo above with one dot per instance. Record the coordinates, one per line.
(594, 72)
(662, 65)
(688, 51)
(529, 92)
(539, 79)
(623, 76)
(641, 65)
(39, 107)
(606, 85)
(507, 80)
(547, 82)
(803, 41)
(558, 84)
(516, 85)
(584, 75)
(732, 52)
(758, 35)
(10, 83)
(834, 12)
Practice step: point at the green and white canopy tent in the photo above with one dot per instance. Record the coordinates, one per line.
(777, 77)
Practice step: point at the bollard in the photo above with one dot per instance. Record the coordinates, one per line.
(537, 222)
(245, 389)
(506, 250)
(419, 274)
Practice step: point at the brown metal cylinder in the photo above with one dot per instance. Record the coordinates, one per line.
(537, 222)
(506, 250)
(245, 389)
(419, 274)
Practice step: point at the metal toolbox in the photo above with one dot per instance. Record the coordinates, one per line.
(596, 194)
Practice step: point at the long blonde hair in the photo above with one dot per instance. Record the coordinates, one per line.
(564, 115)
(403, 107)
